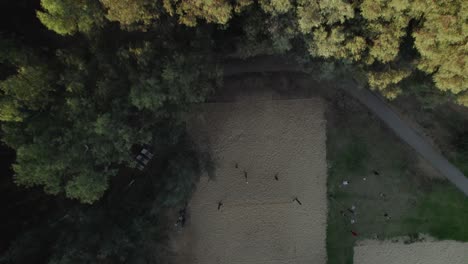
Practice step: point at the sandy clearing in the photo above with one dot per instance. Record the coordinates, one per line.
(430, 252)
(259, 222)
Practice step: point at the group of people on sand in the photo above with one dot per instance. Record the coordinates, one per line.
(183, 212)
(349, 213)
(275, 177)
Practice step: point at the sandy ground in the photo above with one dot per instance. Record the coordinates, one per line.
(430, 252)
(259, 223)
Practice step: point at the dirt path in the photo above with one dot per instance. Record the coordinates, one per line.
(376, 104)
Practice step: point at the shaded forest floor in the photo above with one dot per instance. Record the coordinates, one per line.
(391, 194)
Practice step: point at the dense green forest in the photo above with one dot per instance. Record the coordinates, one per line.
(85, 83)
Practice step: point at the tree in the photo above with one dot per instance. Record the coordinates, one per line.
(313, 14)
(10, 110)
(77, 115)
(386, 24)
(387, 81)
(441, 40)
(74, 126)
(61, 158)
(98, 98)
(213, 11)
(131, 12)
(336, 44)
(28, 86)
(276, 6)
(322, 24)
(67, 17)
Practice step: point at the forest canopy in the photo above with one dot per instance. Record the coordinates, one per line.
(120, 72)
(86, 84)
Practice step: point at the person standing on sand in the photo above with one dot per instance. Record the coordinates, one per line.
(245, 176)
(297, 200)
(220, 204)
(276, 177)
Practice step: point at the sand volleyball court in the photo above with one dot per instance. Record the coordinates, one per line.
(266, 153)
(429, 252)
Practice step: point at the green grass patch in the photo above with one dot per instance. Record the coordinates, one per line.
(442, 213)
(352, 157)
(383, 182)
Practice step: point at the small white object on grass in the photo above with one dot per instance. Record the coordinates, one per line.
(345, 183)
(353, 207)
(353, 221)
(364, 178)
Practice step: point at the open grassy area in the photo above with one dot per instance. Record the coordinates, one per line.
(442, 213)
(392, 198)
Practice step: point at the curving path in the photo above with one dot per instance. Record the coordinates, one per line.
(377, 105)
